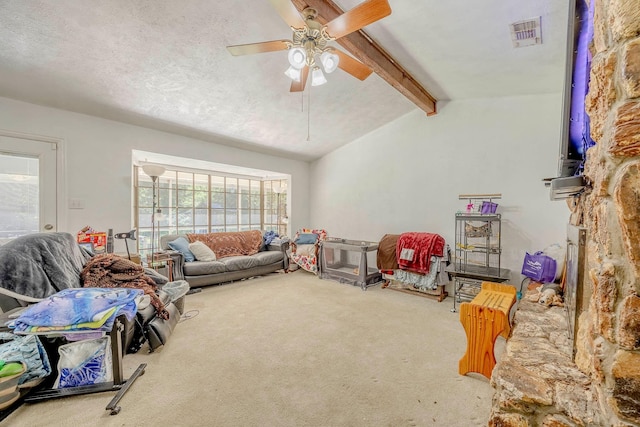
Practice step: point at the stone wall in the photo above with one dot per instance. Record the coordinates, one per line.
(536, 381)
(608, 342)
(608, 339)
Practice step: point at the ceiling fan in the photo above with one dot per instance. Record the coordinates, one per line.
(308, 49)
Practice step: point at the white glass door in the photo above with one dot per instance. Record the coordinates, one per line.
(28, 179)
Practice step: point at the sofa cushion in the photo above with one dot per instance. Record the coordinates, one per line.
(235, 263)
(268, 257)
(201, 251)
(181, 245)
(199, 268)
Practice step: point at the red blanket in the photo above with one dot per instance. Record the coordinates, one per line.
(414, 251)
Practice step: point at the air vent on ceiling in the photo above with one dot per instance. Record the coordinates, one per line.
(526, 33)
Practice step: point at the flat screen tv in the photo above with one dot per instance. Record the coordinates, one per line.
(575, 138)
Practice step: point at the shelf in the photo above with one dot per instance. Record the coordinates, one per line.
(477, 216)
(489, 274)
(478, 249)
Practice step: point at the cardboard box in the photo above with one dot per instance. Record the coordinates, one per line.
(97, 239)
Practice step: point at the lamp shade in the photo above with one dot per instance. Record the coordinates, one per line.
(293, 73)
(153, 170)
(329, 61)
(317, 77)
(297, 57)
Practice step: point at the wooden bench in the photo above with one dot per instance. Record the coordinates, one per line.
(483, 319)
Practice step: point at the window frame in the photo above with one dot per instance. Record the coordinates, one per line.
(179, 201)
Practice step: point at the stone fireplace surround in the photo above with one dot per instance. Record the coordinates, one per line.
(607, 362)
(536, 381)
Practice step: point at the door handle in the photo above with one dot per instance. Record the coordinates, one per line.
(48, 227)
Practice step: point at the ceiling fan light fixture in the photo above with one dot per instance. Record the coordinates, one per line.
(297, 57)
(293, 73)
(329, 61)
(317, 77)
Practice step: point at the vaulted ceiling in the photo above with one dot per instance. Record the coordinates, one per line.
(164, 64)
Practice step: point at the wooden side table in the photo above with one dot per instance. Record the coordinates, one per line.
(162, 260)
(483, 319)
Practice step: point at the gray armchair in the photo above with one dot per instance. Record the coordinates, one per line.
(36, 266)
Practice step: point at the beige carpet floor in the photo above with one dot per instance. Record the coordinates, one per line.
(294, 350)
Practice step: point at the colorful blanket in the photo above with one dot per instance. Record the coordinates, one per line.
(78, 309)
(305, 255)
(414, 250)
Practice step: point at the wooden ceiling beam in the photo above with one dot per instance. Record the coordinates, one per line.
(360, 45)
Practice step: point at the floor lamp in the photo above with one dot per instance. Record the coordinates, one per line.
(279, 189)
(153, 171)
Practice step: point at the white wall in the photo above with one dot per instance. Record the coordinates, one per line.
(98, 169)
(407, 175)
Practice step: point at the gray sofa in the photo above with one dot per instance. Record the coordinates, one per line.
(269, 259)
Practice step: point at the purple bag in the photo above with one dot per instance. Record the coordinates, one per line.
(488, 208)
(539, 267)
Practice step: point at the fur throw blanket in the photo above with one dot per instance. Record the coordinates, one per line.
(112, 271)
(41, 264)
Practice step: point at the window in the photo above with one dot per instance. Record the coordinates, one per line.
(19, 196)
(28, 186)
(275, 206)
(190, 202)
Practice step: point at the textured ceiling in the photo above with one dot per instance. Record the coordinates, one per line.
(163, 64)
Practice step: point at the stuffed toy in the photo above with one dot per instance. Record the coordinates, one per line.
(549, 294)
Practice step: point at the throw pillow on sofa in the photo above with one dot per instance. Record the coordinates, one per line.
(306, 239)
(201, 251)
(182, 245)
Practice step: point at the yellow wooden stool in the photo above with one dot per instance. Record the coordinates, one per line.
(483, 319)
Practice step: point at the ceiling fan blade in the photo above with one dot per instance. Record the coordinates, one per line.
(247, 49)
(352, 66)
(289, 13)
(360, 16)
(299, 86)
